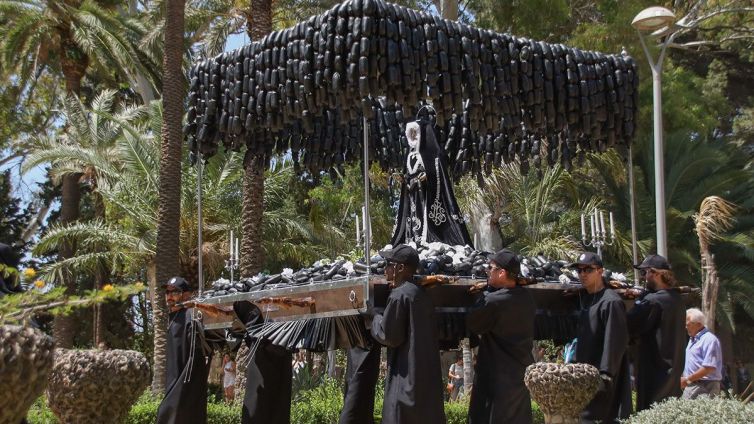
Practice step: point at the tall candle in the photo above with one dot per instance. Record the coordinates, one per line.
(230, 248)
(602, 224)
(591, 222)
(612, 227)
(358, 233)
(583, 228)
(237, 249)
(364, 220)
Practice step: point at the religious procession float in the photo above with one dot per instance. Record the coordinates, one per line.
(432, 99)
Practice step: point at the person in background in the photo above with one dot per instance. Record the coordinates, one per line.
(504, 321)
(229, 377)
(703, 372)
(455, 377)
(656, 322)
(743, 377)
(603, 342)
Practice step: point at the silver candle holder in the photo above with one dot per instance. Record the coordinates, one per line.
(232, 263)
(598, 232)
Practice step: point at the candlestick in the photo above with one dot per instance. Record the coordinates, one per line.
(612, 227)
(602, 224)
(230, 247)
(358, 233)
(591, 223)
(237, 249)
(583, 228)
(364, 220)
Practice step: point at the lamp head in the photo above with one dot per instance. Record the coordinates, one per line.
(653, 18)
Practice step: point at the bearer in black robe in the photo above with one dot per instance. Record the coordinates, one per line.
(413, 387)
(602, 342)
(428, 210)
(269, 374)
(188, 357)
(504, 320)
(362, 373)
(657, 321)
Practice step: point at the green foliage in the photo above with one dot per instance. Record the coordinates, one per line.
(703, 410)
(13, 217)
(15, 308)
(320, 405)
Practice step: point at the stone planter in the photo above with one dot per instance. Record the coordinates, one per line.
(562, 390)
(96, 386)
(26, 357)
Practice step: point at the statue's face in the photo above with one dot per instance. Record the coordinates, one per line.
(413, 138)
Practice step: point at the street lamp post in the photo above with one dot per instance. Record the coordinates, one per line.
(658, 21)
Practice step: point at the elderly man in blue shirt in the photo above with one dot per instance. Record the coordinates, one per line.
(704, 359)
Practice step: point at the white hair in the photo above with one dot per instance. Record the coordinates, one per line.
(695, 315)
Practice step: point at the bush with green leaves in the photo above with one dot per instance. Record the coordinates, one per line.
(702, 410)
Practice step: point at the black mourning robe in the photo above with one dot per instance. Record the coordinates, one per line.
(362, 373)
(269, 375)
(504, 320)
(657, 322)
(603, 342)
(185, 400)
(428, 211)
(413, 387)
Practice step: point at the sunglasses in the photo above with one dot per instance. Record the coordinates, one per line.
(644, 272)
(173, 292)
(587, 270)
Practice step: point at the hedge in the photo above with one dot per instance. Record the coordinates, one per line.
(320, 405)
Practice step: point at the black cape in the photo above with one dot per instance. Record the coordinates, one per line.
(413, 386)
(185, 401)
(504, 320)
(657, 321)
(362, 373)
(602, 342)
(269, 375)
(428, 210)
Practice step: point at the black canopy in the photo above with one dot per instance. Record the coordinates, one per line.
(497, 97)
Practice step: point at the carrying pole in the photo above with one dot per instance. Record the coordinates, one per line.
(367, 218)
(199, 174)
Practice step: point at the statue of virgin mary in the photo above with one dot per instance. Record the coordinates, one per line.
(428, 211)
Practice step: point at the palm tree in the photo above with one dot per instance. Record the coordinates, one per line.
(67, 38)
(715, 217)
(85, 149)
(169, 209)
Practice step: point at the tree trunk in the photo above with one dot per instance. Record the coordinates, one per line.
(468, 368)
(252, 254)
(710, 286)
(101, 275)
(64, 327)
(167, 262)
(258, 24)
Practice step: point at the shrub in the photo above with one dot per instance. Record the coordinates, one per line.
(320, 405)
(702, 410)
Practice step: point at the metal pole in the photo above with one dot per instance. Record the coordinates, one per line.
(662, 242)
(367, 218)
(200, 171)
(632, 199)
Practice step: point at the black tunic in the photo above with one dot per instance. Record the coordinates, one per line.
(413, 387)
(185, 401)
(658, 322)
(269, 375)
(602, 342)
(504, 320)
(362, 373)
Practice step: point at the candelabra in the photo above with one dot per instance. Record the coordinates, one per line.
(598, 231)
(231, 264)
